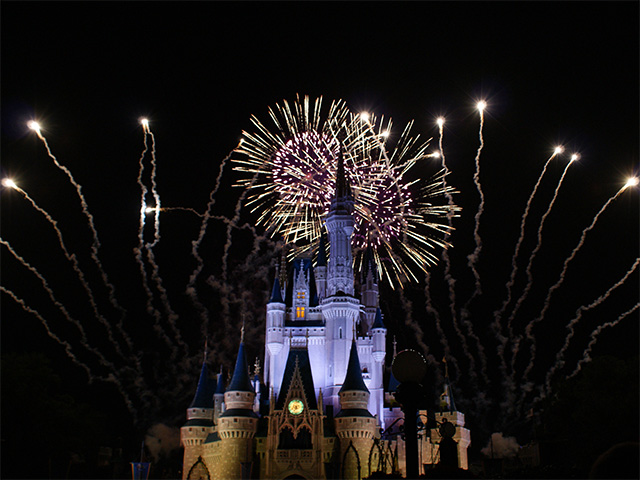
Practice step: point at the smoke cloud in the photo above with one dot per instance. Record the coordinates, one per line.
(161, 440)
(501, 447)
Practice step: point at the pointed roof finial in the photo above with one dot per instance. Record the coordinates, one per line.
(342, 201)
(242, 330)
(395, 347)
(256, 367)
(446, 367)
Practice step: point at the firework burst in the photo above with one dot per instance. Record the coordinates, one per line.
(290, 172)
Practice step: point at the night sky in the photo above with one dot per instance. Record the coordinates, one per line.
(551, 73)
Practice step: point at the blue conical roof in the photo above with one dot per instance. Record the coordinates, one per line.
(240, 381)
(204, 392)
(276, 292)
(378, 323)
(393, 383)
(353, 379)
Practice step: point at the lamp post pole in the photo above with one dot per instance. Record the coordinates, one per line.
(409, 368)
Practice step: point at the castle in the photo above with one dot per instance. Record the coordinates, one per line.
(321, 410)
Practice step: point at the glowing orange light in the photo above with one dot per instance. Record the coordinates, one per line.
(575, 157)
(440, 121)
(481, 105)
(33, 125)
(364, 116)
(559, 149)
(631, 182)
(144, 122)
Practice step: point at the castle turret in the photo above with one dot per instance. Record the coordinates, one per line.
(199, 422)
(378, 333)
(237, 425)
(276, 310)
(355, 426)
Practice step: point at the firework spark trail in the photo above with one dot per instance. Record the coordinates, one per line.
(445, 252)
(111, 378)
(184, 209)
(473, 258)
(83, 340)
(529, 284)
(171, 316)
(557, 285)
(65, 344)
(594, 338)
(154, 188)
(95, 247)
(496, 325)
(151, 310)
(570, 326)
(407, 308)
(450, 280)
(195, 246)
(233, 223)
(75, 265)
(438, 323)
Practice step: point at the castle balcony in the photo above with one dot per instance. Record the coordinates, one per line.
(302, 456)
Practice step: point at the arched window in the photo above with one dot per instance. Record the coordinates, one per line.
(199, 471)
(340, 332)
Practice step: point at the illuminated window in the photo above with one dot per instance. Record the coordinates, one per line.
(300, 296)
(299, 312)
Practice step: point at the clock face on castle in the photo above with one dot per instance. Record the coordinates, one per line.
(295, 407)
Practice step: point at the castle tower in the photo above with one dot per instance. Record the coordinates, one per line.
(237, 425)
(340, 224)
(340, 309)
(199, 423)
(355, 427)
(274, 341)
(378, 333)
(450, 414)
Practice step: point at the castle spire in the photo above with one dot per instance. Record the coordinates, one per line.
(240, 381)
(353, 379)
(204, 391)
(342, 202)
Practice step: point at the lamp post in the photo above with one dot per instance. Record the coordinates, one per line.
(409, 367)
